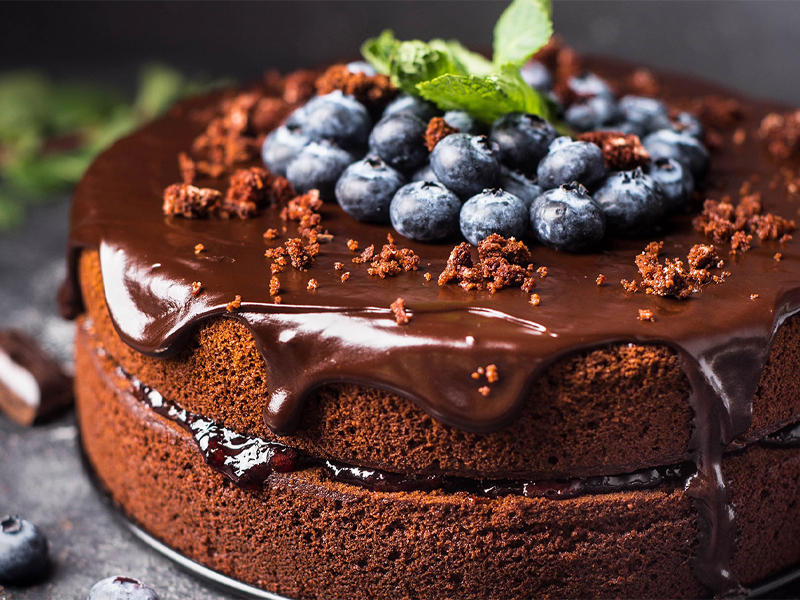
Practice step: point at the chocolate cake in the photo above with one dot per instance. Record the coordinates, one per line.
(332, 421)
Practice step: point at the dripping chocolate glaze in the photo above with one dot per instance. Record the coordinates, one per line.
(346, 332)
(248, 461)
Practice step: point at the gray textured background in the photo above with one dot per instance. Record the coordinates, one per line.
(749, 45)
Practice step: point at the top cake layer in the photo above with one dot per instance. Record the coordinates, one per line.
(346, 331)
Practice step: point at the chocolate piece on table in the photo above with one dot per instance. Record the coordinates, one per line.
(33, 386)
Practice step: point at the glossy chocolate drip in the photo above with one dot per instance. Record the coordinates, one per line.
(346, 332)
(248, 461)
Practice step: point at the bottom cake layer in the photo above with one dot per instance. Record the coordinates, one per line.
(305, 536)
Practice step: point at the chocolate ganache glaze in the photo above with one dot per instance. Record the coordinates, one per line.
(346, 332)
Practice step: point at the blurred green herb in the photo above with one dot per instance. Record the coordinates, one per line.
(453, 77)
(50, 132)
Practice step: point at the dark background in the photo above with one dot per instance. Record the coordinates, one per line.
(750, 45)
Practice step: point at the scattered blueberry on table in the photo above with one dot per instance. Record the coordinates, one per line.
(121, 588)
(23, 550)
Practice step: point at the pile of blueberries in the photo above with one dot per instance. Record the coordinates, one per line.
(510, 178)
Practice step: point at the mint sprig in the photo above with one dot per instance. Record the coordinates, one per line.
(455, 78)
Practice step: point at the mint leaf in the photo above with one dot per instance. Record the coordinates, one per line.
(486, 98)
(521, 30)
(378, 51)
(415, 61)
(466, 61)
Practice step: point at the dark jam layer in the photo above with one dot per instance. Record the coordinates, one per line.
(248, 462)
(788, 437)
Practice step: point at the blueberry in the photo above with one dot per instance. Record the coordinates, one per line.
(650, 114)
(318, 166)
(413, 105)
(577, 161)
(424, 173)
(335, 117)
(666, 143)
(592, 113)
(687, 123)
(361, 66)
(121, 588)
(561, 140)
(566, 218)
(23, 550)
(366, 188)
(464, 122)
(425, 211)
(677, 183)
(537, 76)
(631, 201)
(523, 140)
(493, 211)
(281, 147)
(517, 184)
(399, 140)
(466, 164)
(589, 85)
(625, 127)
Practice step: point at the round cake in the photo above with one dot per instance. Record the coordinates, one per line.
(322, 408)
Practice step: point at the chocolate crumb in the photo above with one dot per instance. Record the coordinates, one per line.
(305, 210)
(492, 374)
(475, 375)
(642, 82)
(300, 255)
(247, 193)
(312, 285)
(270, 234)
(190, 202)
(345, 276)
(427, 276)
(778, 256)
(535, 300)
(621, 152)
(723, 222)
(501, 263)
(739, 136)
(366, 255)
(781, 134)
(399, 309)
(629, 286)
(338, 266)
(542, 272)
(392, 261)
(484, 390)
(374, 91)
(753, 296)
(274, 285)
(645, 314)
(299, 86)
(197, 287)
(437, 130)
(740, 242)
(672, 278)
(198, 248)
(352, 245)
(601, 280)
(277, 299)
(234, 304)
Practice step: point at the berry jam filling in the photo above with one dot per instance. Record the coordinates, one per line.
(248, 461)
